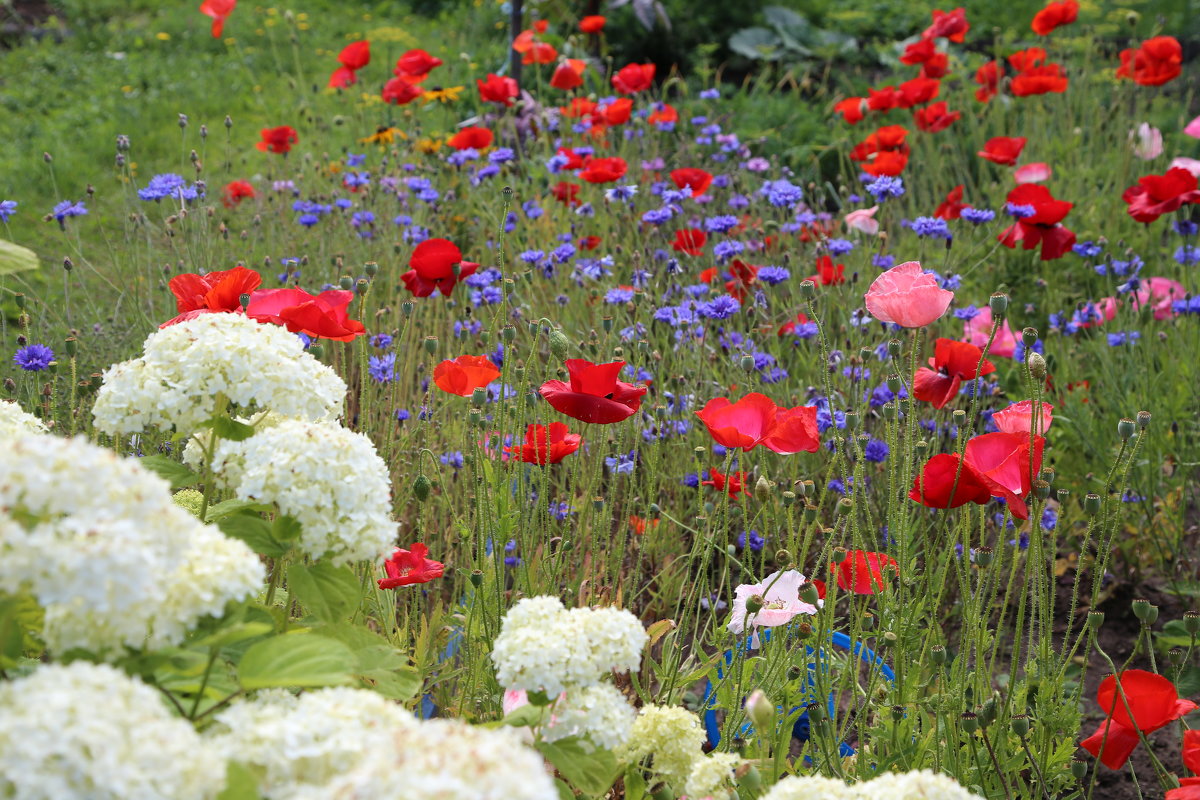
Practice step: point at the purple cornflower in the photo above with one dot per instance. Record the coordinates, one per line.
(7, 209)
(722, 307)
(752, 539)
(67, 209)
(773, 276)
(381, 340)
(884, 187)
(978, 216)
(618, 296)
(382, 369)
(839, 247)
(933, 227)
(34, 357)
(1019, 211)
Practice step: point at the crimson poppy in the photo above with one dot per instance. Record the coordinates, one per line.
(918, 90)
(1004, 463)
(936, 67)
(851, 109)
(1028, 58)
(864, 572)
(952, 207)
(407, 567)
(1048, 79)
(324, 316)
(742, 277)
(1150, 702)
(884, 99)
(733, 484)
(952, 363)
(353, 57)
(791, 325)
(592, 24)
(828, 273)
(432, 266)
(473, 137)
(578, 108)
(1044, 226)
(589, 242)
(593, 393)
(663, 113)
(218, 291)
(546, 444)
(1156, 62)
(569, 74)
(884, 152)
(615, 113)
(1189, 788)
(919, 52)
(465, 374)
(694, 178)
(936, 117)
(633, 78)
(399, 91)
(1003, 150)
(945, 482)
(415, 65)
(219, 10)
(278, 140)
(755, 420)
(690, 241)
(498, 89)
(887, 162)
(235, 192)
(1055, 15)
(1155, 195)
(988, 78)
(604, 170)
(540, 53)
(566, 193)
(951, 25)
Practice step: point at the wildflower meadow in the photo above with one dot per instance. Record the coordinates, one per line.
(455, 402)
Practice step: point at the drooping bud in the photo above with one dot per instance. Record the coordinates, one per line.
(761, 711)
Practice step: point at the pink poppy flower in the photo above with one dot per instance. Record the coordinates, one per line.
(1159, 294)
(1032, 173)
(1192, 165)
(1192, 129)
(907, 296)
(863, 219)
(1147, 141)
(781, 594)
(1018, 418)
(977, 330)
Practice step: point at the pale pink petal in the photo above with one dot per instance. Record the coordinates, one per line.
(1032, 173)
(1192, 165)
(863, 219)
(1192, 129)
(907, 296)
(1147, 141)
(1018, 418)
(977, 330)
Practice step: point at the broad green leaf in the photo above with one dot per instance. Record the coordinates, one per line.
(756, 43)
(381, 667)
(329, 593)
(1188, 683)
(15, 258)
(170, 470)
(254, 531)
(240, 783)
(227, 507)
(296, 660)
(635, 783)
(19, 617)
(525, 717)
(229, 428)
(590, 771)
(237, 632)
(286, 528)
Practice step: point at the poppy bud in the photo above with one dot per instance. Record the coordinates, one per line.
(1191, 622)
(750, 784)
(789, 497)
(1143, 420)
(1078, 768)
(431, 344)
(1020, 725)
(794, 672)
(987, 712)
(895, 347)
(421, 488)
(760, 710)
(476, 418)
(809, 593)
(783, 557)
(808, 289)
(897, 713)
(654, 509)
(1091, 503)
(998, 302)
(560, 346)
(1094, 620)
(958, 415)
(10, 385)
(708, 507)
(1048, 475)
(476, 577)
(763, 488)
(1029, 336)
(643, 345)
(485, 336)
(316, 350)
(938, 654)
(1037, 366)
(904, 404)
(984, 556)
(755, 603)
(804, 631)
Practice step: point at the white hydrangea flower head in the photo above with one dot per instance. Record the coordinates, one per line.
(673, 736)
(16, 421)
(98, 542)
(600, 713)
(185, 367)
(712, 776)
(226, 460)
(917, 785)
(303, 743)
(329, 478)
(544, 647)
(808, 787)
(90, 731)
(446, 759)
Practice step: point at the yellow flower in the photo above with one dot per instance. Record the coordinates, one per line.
(429, 146)
(335, 167)
(447, 95)
(392, 34)
(383, 136)
(163, 36)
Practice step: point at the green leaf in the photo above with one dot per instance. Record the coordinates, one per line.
(756, 43)
(229, 428)
(171, 471)
(590, 771)
(381, 667)
(20, 615)
(329, 593)
(227, 507)
(14, 258)
(526, 716)
(286, 528)
(298, 659)
(635, 783)
(254, 531)
(231, 634)
(1188, 682)
(240, 783)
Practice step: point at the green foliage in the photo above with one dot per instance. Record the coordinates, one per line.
(298, 659)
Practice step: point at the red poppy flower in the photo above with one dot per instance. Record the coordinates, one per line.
(952, 25)
(690, 241)
(1155, 195)
(851, 110)
(341, 78)
(1156, 62)
(828, 273)
(864, 572)
(755, 420)
(988, 78)
(399, 91)
(353, 57)
(733, 484)
(918, 90)
(497, 89)
(1044, 226)
(1189, 788)
(884, 152)
(592, 24)
(1004, 463)
(1048, 79)
(568, 75)
(1028, 58)
(594, 394)
(884, 99)
(278, 140)
(323, 316)
(471, 137)
(952, 363)
(615, 113)
(888, 162)
(638, 525)
(219, 291)
(742, 277)
(407, 567)
(1055, 15)
(1191, 751)
(708, 275)
(415, 65)
(589, 242)
(546, 444)
(566, 193)
(936, 117)
(432, 267)
(936, 67)
(578, 108)
(604, 170)
(540, 53)
(790, 326)
(235, 192)
(919, 52)
(465, 374)
(633, 78)
(1003, 150)
(935, 486)
(219, 10)
(663, 113)
(952, 207)
(694, 178)
(1153, 702)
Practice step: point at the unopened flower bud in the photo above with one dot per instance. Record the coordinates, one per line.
(406, 308)
(1037, 365)
(763, 488)
(560, 346)
(421, 487)
(761, 711)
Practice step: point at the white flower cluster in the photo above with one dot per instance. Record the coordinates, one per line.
(600, 712)
(16, 421)
(185, 367)
(90, 731)
(329, 478)
(919, 785)
(97, 541)
(673, 736)
(294, 743)
(544, 647)
(712, 776)
(445, 759)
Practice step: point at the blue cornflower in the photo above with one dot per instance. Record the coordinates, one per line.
(884, 187)
(34, 357)
(454, 458)
(722, 307)
(932, 227)
(1017, 211)
(782, 193)
(657, 216)
(622, 464)
(773, 276)
(618, 296)
(355, 180)
(617, 193)
(1049, 519)
(1123, 337)
(710, 94)
(968, 313)
(7, 209)
(563, 253)
(382, 369)
(727, 249)
(978, 216)
(839, 247)
(876, 451)
(1087, 249)
(883, 261)
(67, 209)
(355, 159)
(381, 340)
(308, 220)
(752, 539)
(501, 155)
(1187, 255)
(360, 218)
(167, 185)
(1185, 227)
(721, 223)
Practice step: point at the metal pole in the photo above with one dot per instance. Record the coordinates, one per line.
(514, 31)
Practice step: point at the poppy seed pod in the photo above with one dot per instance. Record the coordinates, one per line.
(984, 556)
(1091, 503)
(477, 578)
(808, 289)
(1191, 622)
(346, 282)
(1145, 611)
(1029, 336)
(1020, 725)
(431, 344)
(316, 350)
(895, 347)
(1078, 768)
(1125, 428)
(1095, 619)
(789, 497)
(938, 654)
(755, 603)
(371, 268)
(809, 593)
(783, 557)
(998, 302)
(1143, 420)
